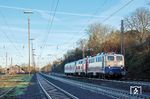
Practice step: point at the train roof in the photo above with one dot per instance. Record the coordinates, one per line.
(107, 53)
(104, 53)
(70, 63)
(99, 54)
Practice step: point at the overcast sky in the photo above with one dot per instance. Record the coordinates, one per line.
(69, 23)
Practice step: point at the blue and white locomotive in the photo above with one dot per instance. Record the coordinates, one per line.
(102, 65)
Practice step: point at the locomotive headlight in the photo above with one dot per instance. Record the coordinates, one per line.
(121, 67)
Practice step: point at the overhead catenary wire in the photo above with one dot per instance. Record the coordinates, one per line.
(18, 52)
(50, 23)
(90, 19)
(83, 27)
(9, 28)
(107, 18)
(49, 20)
(6, 23)
(50, 28)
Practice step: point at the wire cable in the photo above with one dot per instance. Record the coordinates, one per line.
(49, 29)
(9, 31)
(106, 19)
(19, 53)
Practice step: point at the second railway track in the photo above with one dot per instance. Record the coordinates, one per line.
(126, 81)
(52, 91)
(3, 93)
(112, 92)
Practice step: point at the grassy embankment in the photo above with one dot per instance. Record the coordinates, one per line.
(19, 81)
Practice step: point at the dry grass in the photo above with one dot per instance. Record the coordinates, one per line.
(19, 81)
(5, 84)
(13, 80)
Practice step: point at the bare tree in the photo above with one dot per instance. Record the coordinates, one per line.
(83, 46)
(139, 21)
(97, 36)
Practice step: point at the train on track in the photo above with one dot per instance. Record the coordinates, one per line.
(102, 65)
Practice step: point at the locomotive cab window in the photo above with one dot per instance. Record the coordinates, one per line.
(110, 58)
(119, 58)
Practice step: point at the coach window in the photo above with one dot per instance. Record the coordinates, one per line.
(92, 60)
(80, 62)
(84, 61)
(99, 59)
(110, 58)
(89, 60)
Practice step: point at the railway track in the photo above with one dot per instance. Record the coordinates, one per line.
(52, 91)
(3, 92)
(142, 83)
(119, 84)
(112, 92)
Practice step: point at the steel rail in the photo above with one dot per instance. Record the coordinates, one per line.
(100, 89)
(6, 92)
(56, 87)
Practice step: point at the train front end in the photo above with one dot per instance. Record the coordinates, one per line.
(114, 65)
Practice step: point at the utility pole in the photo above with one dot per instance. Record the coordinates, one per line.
(6, 59)
(11, 67)
(49, 55)
(32, 49)
(6, 63)
(122, 36)
(11, 62)
(33, 61)
(28, 12)
(83, 53)
(29, 42)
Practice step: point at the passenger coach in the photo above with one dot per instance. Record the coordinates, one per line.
(102, 65)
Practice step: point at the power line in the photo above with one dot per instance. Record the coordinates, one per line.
(117, 11)
(19, 53)
(49, 20)
(10, 31)
(107, 18)
(91, 18)
(51, 23)
(3, 16)
(83, 27)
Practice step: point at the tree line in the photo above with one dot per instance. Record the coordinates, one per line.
(105, 38)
